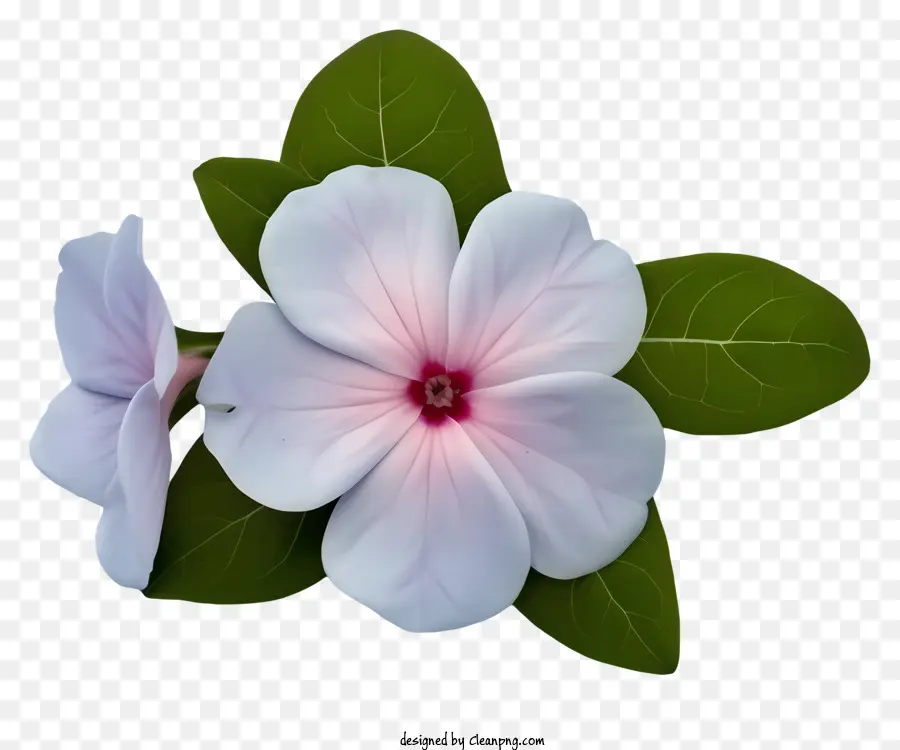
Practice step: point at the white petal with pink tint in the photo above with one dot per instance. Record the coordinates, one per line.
(129, 529)
(361, 262)
(136, 305)
(113, 327)
(581, 454)
(115, 550)
(307, 423)
(532, 293)
(430, 539)
(75, 441)
(106, 437)
(145, 460)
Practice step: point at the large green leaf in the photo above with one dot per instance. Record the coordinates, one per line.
(221, 547)
(625, 614)
(397, 99)
(735, 343)
(240, 195)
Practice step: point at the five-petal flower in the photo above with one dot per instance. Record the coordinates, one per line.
(460, 401)
(105, 437)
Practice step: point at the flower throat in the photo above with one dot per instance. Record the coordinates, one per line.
(441, 393)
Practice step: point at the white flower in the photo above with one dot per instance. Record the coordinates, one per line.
(460, 401)
(106, 436)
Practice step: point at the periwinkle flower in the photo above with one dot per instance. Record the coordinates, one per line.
(459, 401)
(105, 437)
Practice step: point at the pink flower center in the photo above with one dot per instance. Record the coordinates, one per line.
(438, 391)
(441, 393)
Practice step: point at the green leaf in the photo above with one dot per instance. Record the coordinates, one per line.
(397, 99)
(221, 547)
(240, 195)
(197, 343)
(625, 614)
(735, 343)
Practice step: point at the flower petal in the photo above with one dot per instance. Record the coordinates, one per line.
(533, 293)
(165, 363)
(136, 304)
(110, 314)
(581, 454)
(360, 263)
(430, 539)
(114, 542)
(307, 423)
(75, 442)
(145, 460)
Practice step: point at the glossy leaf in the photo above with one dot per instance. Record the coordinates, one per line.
(221, 547)
(397, 99)
(625, 614)
(735, 343)
(240, 195)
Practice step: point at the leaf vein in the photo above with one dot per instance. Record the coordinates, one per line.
(755, 311)
(434, 129)
(450, 171)
(191, 551)
(663, 296)
(287, 554)
(346, 140)
(709, 291)
(381, 110)
(395, 98)
(671, 394)
(361, 105)
(240, 198)
(631, 628)
(729, 342)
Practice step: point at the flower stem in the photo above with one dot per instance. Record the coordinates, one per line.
(195, 348)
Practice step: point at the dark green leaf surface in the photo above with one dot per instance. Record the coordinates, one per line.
(397, 99)
(197, 343)
(221, 547)
(625, 614)
(240, 195)
(735, 343)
